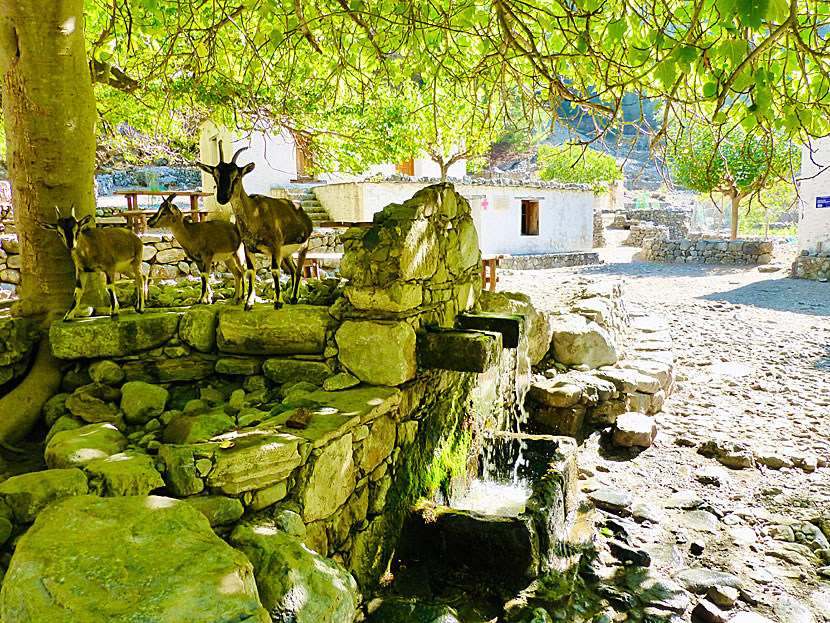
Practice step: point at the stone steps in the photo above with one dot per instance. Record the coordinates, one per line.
(308, 201)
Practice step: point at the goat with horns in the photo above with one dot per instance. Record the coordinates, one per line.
(278, 226)
(205, 243)
(110, 251)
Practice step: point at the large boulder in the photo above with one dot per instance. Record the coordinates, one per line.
(95, 338)
(294, 329)
(28, 494)
(141, 401)
(378, 353)
(296, 584)
(76, 448)
(576, 341)
(537, 324)
(128, 559)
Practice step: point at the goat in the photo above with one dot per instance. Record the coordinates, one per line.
(265, 223)
(205, 243)
(113, 250)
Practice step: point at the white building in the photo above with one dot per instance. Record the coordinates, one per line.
(516, 219)
(814, 218)
(513, 219)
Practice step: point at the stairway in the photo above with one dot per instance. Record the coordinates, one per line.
(305, 197)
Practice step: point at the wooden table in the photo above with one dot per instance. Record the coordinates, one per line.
(345, 224)
(137, 219)
(488, 271)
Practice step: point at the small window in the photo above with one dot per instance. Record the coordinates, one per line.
(407, 167)
(530, 218)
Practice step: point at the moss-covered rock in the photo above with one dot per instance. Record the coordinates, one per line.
(115, 560)
(294, 329)
(76, 448)
(294, 370)
(123, 474)
(295, 583)
(95, 338)
(378, 353)
(198, 328)
(28, 494)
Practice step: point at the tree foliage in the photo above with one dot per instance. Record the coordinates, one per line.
(762, 64)
(572, 163)
(737, 164)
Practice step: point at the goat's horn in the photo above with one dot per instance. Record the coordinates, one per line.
(171, 197)
(58, 212)
(72, 211)
(221, 157)
(238, 151)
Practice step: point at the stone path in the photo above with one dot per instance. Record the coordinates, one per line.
(753, 380)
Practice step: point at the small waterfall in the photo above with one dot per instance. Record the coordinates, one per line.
(504, 481)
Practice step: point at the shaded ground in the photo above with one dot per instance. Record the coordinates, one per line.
(753, 354)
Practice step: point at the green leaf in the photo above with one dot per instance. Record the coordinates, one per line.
(710, 89)
(752, 13)
(666, 72)
(617, 29)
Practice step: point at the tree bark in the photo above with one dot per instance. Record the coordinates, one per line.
(736, 200)
(49, 112)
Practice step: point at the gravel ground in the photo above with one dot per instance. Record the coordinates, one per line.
(752, 367)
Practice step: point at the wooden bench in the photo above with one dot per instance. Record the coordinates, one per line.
(137, 219)
(311, 267)
(489, 279)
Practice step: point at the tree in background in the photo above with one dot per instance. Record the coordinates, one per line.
(580, 165)
(737, 165)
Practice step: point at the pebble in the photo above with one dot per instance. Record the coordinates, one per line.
(723, 596)
(707, 612)
(712, 475)
(613, 500)
(791, 610)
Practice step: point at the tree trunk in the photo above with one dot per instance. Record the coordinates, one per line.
(445, 166)
(49, 112)
(736, 200)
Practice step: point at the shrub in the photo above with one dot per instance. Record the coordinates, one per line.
(575, 164)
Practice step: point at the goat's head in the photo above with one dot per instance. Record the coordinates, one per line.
(226, 174)
(167, 213)
(68, 228)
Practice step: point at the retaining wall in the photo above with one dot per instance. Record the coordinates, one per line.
(733, 252)
(811, 265)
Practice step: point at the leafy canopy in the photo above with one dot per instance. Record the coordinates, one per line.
(572, 163)
(760, 64)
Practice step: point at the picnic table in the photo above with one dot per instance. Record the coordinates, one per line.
(489, 263)
(137, 219)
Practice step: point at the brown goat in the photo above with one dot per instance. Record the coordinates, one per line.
(205, 243)
(110, 251)
(265, 224)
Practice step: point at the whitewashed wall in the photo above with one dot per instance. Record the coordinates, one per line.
(814, 223)
(565, 215)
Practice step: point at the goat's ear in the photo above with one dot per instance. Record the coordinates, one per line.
(247, 168)
(52, 226)
(85, 221)
(206, 168)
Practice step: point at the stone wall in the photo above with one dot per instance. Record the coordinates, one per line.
(163, 256)
(599, 230)
(604, 362)
(675, 219)
(811, 265)
(739, 252)
(638, 233)
(550, 260)
(328, 413)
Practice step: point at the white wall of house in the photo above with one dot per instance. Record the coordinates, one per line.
(814, 221)
(565, 215)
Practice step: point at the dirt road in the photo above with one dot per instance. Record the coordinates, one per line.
(753, 370)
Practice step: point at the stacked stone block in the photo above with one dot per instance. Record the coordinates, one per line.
(731, 252)
(676, 219)
(640, 232)
(811, 265)
(548, 260)
(599, 233)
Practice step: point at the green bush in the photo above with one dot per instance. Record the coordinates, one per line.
(575, 164)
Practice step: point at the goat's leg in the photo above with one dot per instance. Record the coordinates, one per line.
(297, 273)
(110, 276)
(275, 274)
(204, 273)
(142, 287)
(80, 285)
(250, 279)
(235, 265)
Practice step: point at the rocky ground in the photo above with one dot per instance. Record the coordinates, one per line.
(736, 482)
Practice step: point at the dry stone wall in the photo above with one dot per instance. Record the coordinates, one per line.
(811, 265)
(320, 412)
(702, 251)
(549, 260)
(163, 256)
(638, 233)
